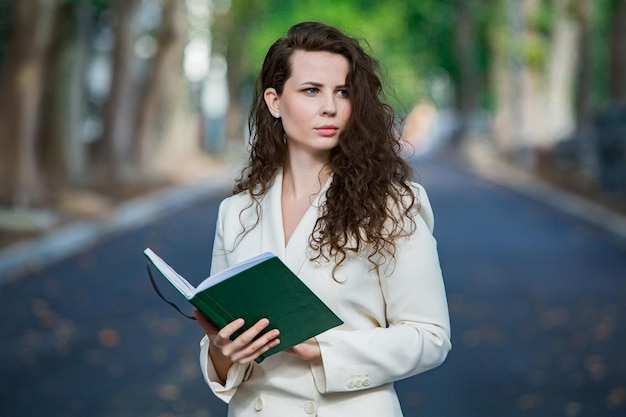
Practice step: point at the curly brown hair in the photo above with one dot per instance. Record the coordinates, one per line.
(370, 197)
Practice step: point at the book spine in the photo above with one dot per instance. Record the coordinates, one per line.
(218, 320)
(217, 314)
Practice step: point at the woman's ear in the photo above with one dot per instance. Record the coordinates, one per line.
(272, 100)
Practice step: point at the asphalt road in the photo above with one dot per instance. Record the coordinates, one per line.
(537, 304)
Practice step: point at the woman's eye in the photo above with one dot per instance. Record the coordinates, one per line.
(311, 90)
(343, 93)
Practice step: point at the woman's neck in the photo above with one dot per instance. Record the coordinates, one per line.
(303, 179)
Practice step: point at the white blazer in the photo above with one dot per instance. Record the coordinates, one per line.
(396, 321)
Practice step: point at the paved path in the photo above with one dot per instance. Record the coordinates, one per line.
(537, 302)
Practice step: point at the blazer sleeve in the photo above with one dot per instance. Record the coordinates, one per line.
(417, 337)
(237, 373)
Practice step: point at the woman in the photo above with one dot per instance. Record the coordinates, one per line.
(326, 191)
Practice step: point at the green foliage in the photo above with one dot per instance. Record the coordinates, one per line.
(536, 53)
(615, 5)
(600, 26)
(542, 19)
(414, 39)
(408, 38)
(540, 26)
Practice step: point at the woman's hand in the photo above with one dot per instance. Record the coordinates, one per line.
(308, 350)
(243, 349)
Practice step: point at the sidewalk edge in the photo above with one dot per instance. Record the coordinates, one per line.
(516, 179)
(33, 255)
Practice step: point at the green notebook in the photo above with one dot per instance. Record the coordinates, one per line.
(260, 287)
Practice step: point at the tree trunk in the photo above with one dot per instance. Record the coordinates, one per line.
(114, 151)
(583, 66)
(617, 60)
(561, 72)
(231, 32)
(63, 149)
(467, 55)
(179, 152)
(508, 80)
(547, 108)
(21, 87)
(500, 78)
(157, 105)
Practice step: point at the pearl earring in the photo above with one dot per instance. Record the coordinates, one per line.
(277, 115)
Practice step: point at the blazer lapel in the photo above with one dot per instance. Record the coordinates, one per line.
(272, 234)
(298, 245)
(294, 254)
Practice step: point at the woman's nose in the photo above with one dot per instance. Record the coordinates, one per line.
(329, 107)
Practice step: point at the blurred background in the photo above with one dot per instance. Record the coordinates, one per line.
(104, 102)
(102, 99)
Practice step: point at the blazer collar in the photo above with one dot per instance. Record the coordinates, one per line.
(294, 254)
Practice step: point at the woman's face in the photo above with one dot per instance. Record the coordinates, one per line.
(314, 106)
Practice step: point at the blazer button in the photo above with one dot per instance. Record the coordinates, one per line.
(309, 407)
(366, 382)
(258, 404)
(350, 384)
(358, 383)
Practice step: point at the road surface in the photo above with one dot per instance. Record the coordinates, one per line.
(537, 304)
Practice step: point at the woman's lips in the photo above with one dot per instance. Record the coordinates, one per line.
(327, 130)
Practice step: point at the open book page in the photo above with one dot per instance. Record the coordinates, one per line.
(233, 270)
(180, 283)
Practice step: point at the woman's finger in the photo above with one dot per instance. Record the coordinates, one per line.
(256, 353)
(245, 338)
(244, 348)
(263, 341)
(250, 344)
(223, 337)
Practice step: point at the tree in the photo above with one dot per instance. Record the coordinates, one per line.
(114, 161)
(561, 70)
(617, 60)
(64, 152)
(156, 104)
(232, 32)
(584, 79)
(466, 41)
(21, 90)
(529, 55)
(537, 101)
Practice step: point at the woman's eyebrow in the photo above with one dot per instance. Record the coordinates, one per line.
(312, 84)
(316, 84)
